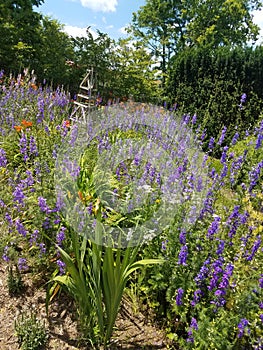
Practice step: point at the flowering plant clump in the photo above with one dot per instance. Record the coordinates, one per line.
(31, 128)
(213, 271)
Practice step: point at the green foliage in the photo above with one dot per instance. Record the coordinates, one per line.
(96, 278)
(18, 33)
(123, 69)
(14, 281)
(210, 83)
(222, 22)
(171, 26)
(31, 332)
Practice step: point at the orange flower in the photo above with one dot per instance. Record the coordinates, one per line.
(18, 128)
(67, 123)
(80, 196)
(34, 87)
(26, 124)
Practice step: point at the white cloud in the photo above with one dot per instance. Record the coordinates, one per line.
(123, 30)
(100, 5)
(77, 31)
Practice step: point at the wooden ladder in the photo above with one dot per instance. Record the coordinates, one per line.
(86, 101)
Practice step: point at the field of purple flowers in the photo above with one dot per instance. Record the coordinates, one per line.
(206, 278)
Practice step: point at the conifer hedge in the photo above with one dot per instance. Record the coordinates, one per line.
(210, 83)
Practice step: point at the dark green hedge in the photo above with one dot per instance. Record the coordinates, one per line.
(210, 83)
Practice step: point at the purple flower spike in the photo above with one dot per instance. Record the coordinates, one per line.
(179, 296)
(61, 266)
(3, 160)
(22, 264)
(182, 258)
(241, 326)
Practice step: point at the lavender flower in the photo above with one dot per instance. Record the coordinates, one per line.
(235, 138)
(61, 236)
(255, 248)
(164, 244)
(197, 297)
(203, 273)
(254, 175)
(224, 155)
(221, 247)
(19, 196)
(217, 267)
(259, 141)
(211, 143)
(23, 146)
(194, 118)
(5, 254)
(61, 266)
(222, 136)
(243, 98)
(3, 160)
(193, 325)
(182, 258)
(90, 208)
(260, 281)
(214, 227)
(47, 223)
(182, 237)
(22, 264)
(20, 228)
(226, 276)
(179, 296)
(42, 203)
(42, 248)
(34, 237)
(243, 324)
(33, 146)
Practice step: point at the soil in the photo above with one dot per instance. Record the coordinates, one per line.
(133, 329)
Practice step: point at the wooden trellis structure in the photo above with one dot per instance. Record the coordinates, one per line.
(87, 96)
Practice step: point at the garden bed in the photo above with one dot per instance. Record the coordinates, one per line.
(133, 331)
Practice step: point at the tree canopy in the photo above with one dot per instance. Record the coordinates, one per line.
(169, 26)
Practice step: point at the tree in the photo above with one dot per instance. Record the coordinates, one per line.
(95, 51)
(18, 32)
(53, 49)
(161, 25)
(222, 22)
(134, 72)
(122, 68)
(168, 26)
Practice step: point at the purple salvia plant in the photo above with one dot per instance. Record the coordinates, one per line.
(22, 264)
(183, 254)
(61, 236)
(3, 159)
(179, 296)
(193, 326)
(23, 146)
(242, 326)
(222, 136)
(213, 228)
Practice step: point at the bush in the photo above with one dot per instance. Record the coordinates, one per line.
(31, 332)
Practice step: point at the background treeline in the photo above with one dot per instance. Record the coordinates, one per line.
(189, 54)
(210, 83)
(31, 40)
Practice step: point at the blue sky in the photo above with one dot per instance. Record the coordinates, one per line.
(109, 16)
